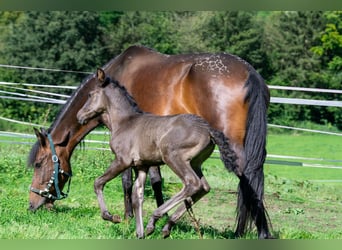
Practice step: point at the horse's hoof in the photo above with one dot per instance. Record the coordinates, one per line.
(139, 237)
(129, 216)
(166, 232)
(116, 218)
(112, 218)
(149, 229)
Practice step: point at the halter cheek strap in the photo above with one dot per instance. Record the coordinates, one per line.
(54, 178)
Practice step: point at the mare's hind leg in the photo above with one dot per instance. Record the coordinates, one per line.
(127, 184)
(156, 182)
(183, 207)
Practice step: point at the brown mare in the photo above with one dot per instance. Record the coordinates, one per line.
(222, 88)
(140, 140)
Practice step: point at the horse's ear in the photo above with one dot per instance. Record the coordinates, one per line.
(101, 75)
(41, 136)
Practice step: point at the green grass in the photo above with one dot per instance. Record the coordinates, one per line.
(298, 205)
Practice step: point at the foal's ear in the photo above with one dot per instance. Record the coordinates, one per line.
(101, 75)
(41, 136)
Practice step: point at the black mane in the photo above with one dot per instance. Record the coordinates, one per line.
(124, 92)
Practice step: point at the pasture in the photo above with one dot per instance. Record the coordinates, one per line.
(303, 202)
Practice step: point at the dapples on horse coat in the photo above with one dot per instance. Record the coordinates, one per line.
(221, 88)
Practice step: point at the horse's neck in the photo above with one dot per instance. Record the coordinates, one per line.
(66, 130)
(116, 116)
(72, 134)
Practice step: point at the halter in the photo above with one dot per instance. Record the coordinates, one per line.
(54, 178)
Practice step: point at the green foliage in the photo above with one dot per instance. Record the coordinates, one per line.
(152, 29)
(236, 32)
(292, 46)
(57, 40)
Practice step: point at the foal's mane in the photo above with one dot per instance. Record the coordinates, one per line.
(125, 94)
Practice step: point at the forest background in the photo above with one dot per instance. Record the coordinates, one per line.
(288, 48)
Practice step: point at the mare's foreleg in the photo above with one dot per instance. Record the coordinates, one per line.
(127, 185)
(137, 201)
(156, 182)
(114, 170)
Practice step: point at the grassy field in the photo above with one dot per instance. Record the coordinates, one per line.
(303, 202)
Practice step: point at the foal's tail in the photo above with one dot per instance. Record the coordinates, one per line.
(227, 154)
(251, 187)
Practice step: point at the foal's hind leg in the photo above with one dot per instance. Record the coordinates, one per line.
(192, 185)
(183, 207)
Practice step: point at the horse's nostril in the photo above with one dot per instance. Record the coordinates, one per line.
(31, 207)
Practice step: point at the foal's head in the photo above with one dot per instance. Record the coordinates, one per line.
(96, 103)
(115, 97)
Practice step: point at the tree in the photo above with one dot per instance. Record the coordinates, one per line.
(58, 40)
(239, 33)
(152, 29)
(329, 52)
(289, 39)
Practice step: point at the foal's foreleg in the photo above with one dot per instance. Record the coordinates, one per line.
(137, 201)
(114, 170)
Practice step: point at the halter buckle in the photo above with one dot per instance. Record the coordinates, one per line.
(54, 158)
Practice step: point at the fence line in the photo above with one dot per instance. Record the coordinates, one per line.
(304, 129)
(319, 90)
(33, 100)
(39, 92)
(297, 101)
(268, 161)
(43, 69)
(300, 101)
(270, 125)
(39, 85)
(26, 96)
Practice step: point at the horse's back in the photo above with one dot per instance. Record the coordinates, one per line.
(209, 85)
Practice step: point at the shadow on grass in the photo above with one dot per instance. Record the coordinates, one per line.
(182, 230)
(76, 211)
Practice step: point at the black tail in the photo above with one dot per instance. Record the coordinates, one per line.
(251, 186)
(227, 154)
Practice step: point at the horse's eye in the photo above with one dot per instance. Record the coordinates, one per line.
(37, 165)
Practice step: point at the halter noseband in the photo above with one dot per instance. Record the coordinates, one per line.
(54, 178)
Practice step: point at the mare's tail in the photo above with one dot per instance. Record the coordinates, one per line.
(227, 154)
(251, 187)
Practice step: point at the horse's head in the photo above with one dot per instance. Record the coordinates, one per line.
(46, 184)
(95, 105)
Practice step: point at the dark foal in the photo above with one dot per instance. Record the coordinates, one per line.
(140, 140)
